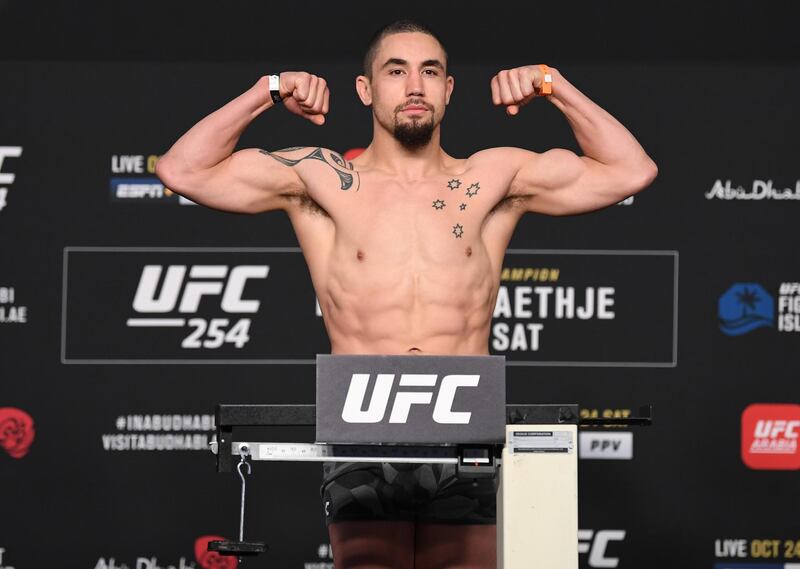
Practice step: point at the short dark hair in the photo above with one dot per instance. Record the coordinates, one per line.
(397, 27)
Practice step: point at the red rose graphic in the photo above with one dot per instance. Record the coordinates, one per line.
(16, 431)
(211, 559)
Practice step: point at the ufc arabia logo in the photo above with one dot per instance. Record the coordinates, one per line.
(180, 295)
(443, 413)
(776, 430)
(770, 434)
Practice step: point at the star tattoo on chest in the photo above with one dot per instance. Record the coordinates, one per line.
(471, 191)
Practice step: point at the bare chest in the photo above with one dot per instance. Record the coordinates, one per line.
(433, 218)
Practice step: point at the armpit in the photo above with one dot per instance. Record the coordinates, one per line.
(510, 203)
(306, 203)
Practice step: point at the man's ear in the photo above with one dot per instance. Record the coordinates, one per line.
(451, 83)
(364, 89)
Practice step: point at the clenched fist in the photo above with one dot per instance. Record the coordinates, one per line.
(516, 87)
(305, 94)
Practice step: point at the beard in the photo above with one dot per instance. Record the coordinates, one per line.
(415, 132)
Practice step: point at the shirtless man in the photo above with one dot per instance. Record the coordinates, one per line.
(405, 243)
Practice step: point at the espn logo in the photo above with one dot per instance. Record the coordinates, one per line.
(769, 436)
(443, 413)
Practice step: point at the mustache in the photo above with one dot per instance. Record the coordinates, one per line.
(415, 102)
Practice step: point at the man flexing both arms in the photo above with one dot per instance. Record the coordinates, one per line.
(405, 246)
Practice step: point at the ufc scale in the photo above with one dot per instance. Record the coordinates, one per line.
(433, 409)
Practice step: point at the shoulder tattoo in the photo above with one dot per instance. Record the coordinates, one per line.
(347, 175)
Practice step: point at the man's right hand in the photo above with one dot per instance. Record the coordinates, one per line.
(305, 95)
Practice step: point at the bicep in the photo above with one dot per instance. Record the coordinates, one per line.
(248, 181)
(559, 182)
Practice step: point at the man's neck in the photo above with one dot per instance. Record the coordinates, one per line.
(387, 154)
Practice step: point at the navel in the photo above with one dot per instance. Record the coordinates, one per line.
(468, 251)
(360, 255)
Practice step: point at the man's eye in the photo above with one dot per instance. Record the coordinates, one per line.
(431, 72)
(395, 71)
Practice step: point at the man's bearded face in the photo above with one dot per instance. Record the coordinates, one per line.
(410, 87)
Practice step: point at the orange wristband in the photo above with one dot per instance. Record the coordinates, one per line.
(547, 80)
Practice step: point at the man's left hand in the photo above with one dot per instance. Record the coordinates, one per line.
(517, 87)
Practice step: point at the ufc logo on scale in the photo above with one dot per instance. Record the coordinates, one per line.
(185, 295)
(443, 413)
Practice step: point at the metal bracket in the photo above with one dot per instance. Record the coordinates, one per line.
(476, 461)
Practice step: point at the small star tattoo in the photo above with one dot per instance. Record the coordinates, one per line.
(462, 207)
(454, 184)
(458, 230)
(438, 204)
(473, 189)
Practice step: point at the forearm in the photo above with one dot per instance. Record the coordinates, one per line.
(600, 136)
(214, 138)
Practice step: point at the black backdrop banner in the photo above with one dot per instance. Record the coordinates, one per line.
(685, 297)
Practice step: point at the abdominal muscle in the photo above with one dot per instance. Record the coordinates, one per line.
(405, 304)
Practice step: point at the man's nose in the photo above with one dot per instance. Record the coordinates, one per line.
(414, 85)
